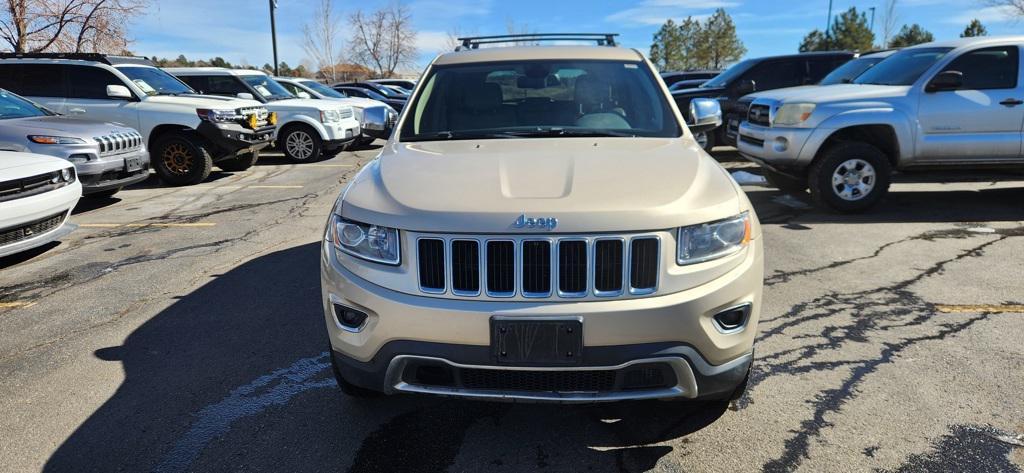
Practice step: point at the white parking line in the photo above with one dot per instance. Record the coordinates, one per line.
(137, 225)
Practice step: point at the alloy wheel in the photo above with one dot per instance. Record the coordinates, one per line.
(299, 145)
(178, 158)
(853, 179)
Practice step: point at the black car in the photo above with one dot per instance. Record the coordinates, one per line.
(753, 75)
(671, 77)
(373, 91)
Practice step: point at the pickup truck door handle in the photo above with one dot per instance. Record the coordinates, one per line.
(1011, 102)
(76, 111)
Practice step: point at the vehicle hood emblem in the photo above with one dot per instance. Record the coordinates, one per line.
(538, 223)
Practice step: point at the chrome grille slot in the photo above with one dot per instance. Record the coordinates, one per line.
(465, 267)
(431, 263)
(117, 143)
(759, 115)
(501, 268)
(643, 265)
(572, 268)
(608, 267)
(346, 112)
(536, 268)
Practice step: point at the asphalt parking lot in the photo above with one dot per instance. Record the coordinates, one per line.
(180, 329)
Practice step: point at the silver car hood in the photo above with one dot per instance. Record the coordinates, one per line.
(834, 93)
(65, 126)
(589, 185)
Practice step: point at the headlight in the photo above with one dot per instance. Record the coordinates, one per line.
(55, 140)
(219, 116)
(370, 242)
(708, 241)
(328, 116)
(793, 113)
(67, 174)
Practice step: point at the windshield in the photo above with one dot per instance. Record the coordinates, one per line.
(847, 72)
(322, 89)
(155, 81)
(387, 92)
(13, 106)
(902, 68)
(730, 74)
(267, 88)
(538, 98)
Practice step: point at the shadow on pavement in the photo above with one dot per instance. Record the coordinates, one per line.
(27, 255)
(234, 376)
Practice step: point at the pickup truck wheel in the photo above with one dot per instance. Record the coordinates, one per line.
(784, 183)
(706, 140)
(301, 144)
(850, 177)
(239, 163)
(181, 158)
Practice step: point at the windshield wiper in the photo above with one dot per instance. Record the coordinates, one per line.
(547, 132)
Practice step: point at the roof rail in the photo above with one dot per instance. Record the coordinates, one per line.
(95, 57)
(474, 42)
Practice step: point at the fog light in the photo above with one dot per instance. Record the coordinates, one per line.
(781, 144)
(348, 317)
(78, 158)
(733, 319)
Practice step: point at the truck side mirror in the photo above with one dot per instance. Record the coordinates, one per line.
(119, 92)
(245, 95)
(303, 95)
(945, 80)
(705, 115)
(745, 87)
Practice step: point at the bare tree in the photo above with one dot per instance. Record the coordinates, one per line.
(889, 22)
(322, 41)
(1011, 7)
(383, 40)
(67, 25)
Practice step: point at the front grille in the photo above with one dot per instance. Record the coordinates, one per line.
(346, 113)
(31, 185)
(751, 140)
(31, 230)
(638, 377)
(566, 267)
(539, 381)
(758, 114)
(118, 143)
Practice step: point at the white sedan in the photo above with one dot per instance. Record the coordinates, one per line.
(37, 194)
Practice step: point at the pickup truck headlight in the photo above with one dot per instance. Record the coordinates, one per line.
(370, 242)
(708, 241)
(793, 113)
(330, 116)
(55, 140)
(219, 116)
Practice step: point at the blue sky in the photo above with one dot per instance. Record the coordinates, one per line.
(239, 30)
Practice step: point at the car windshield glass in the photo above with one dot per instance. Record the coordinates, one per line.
(154, 81)
(539, 98)
(267, 88)
(730, 74)
(13, 106)
(847, 72)
(322, 89)
(387, 92)
(902, 68)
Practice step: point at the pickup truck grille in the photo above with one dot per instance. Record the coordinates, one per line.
(10, 236)
(759, 115)
(535, 267)
(31, 185)
(118, 143)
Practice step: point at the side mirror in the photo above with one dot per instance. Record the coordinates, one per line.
(945, 80)
(705, 115)
(119, 92)
(746, 87)
(245, 95)
(303, 95)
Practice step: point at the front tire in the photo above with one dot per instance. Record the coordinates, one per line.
(706, 140)
(850, 177)
(301, 144)
(239, 163)
(181, 159)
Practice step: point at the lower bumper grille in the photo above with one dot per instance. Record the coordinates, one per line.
(642, 376)
(752, 140)
(31, 230)
(557, 381)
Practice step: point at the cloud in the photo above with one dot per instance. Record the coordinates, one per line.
(993, 14)
(431, 42)
(656, 12)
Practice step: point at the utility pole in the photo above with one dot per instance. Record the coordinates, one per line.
(872, 27)
(273, 34)
(828, 21)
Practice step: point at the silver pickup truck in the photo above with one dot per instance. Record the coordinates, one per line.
(954, 104)
(107, 156)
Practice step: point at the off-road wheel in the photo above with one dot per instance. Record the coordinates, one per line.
(300, 143)
(348, 388)
(181, 158)
(849, 177)
(784, 183)
(239, 163)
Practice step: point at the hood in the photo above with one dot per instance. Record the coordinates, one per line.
(204, 101)
(837, 93)
(302, 105)
(64, 126)
(589, 185)
(698, 92)
(774, 94)
(15, 165)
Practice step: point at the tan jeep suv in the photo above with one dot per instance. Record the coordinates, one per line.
(542, 226)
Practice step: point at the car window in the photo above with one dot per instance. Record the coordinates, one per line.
(988, 68)
(33, 80)
(322, 89)
(154, 81)
(849, 71)
(817, 68)
(727, 76)
(777, 74)
(267, 88)
(291, 88)
(902, 68)
(355, 92)
(540, 98)
(12, 106)
(87, 82)
(225, 85)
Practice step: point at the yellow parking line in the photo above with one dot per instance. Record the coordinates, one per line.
(998, 308)
(136, 225)
(16, 304)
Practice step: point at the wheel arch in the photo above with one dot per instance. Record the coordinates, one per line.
(881, 136)
(160, 131)
(302, 120)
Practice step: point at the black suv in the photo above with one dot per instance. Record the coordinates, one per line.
(753, 75)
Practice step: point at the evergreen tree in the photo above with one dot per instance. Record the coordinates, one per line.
(667, 48)
(974, 29)
(849, 32)
(911, 35)
(717, 43)
(815, 41)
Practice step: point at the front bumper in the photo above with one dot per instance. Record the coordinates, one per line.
(232, 139)
(340, 133)
(19, 213)
(673, 331)
(774, 146)
(111, 172)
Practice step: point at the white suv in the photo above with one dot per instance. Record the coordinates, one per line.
(186, 133)
(376, 118)
(306, 128)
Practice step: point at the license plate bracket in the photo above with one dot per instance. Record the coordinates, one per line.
(535, 341)
(132, 164)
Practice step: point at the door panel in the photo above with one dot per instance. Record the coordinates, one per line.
(970, 125)
(41, 83)
(87, 97)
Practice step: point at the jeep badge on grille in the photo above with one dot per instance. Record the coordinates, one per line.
(539, 223)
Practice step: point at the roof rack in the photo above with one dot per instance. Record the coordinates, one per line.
(474, 42)
(94, 57)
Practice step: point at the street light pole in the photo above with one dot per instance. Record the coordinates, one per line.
(828, 21)
(872, 27)
(273, 34)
